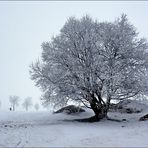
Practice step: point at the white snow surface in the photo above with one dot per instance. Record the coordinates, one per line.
(44, 129)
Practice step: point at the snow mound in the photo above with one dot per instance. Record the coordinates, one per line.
(144, 118)
(131, 106)
(70, 109)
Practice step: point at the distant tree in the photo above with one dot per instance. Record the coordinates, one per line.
(36, 106)
(14, 101)
(93, 62)
(27, 103)
(0, 103)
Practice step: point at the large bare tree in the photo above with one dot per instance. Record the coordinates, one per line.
(92, 62)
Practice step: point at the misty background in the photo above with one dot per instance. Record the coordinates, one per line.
(25, 25)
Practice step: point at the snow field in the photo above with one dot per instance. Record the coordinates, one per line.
(44, 129)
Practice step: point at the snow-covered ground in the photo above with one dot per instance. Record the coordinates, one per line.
(44, 129)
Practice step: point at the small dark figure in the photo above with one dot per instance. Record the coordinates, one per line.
(10, 109)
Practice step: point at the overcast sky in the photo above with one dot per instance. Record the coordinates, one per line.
(25, 25)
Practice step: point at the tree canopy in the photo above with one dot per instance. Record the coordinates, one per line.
(92, 62)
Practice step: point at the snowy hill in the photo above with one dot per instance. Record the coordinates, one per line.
(44, 129)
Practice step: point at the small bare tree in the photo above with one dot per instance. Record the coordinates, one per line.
(14, 101)
(36, 106)
(27, 103)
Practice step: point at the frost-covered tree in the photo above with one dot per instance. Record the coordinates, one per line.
(36, 106)
(27, 103)
(92, 62)
(14, 101)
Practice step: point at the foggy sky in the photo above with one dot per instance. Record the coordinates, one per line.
(25, 25)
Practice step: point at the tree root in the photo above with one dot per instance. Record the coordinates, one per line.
(90, 119)
(95, 119)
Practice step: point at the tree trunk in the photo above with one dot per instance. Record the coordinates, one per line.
(99, 109)
(100, 113)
